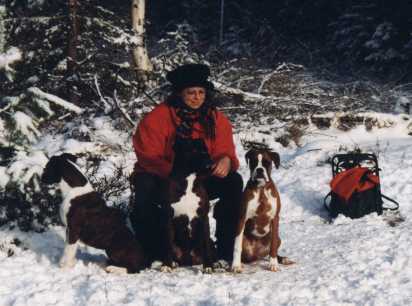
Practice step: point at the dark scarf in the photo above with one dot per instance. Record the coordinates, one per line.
(191, 154)
(187, 118)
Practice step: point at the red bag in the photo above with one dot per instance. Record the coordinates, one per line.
(359, 179)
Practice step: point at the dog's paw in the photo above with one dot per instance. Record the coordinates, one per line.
(285, 261)
(236, 268)
(166, 269)
(274, 268)
(221, 265)
(273, 264)
(174, 265)
(156, 265)
(67, 264)
(207, 270)
(116, 270)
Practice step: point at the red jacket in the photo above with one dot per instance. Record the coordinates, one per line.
(155, 134)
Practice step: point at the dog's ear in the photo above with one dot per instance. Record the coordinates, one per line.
(248, 156)
(275, 158)
(69, 156)
(51, 171)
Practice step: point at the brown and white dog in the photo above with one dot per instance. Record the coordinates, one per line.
(88, 219)
(258, 228)
(187, 229)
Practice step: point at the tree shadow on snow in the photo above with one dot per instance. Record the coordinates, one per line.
(301, 205)
(50, 245)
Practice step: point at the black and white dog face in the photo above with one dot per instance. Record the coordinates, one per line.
(55, 168)
(260, 164)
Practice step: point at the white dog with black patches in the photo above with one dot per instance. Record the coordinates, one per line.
(88, 219)
(68, 259)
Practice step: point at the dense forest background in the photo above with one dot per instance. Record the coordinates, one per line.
(349, 38)
(286, 59)
(370, 34)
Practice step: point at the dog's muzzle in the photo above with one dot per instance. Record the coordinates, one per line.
(260, 176)
(260, 173)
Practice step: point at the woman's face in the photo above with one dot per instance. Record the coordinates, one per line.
(194, 97)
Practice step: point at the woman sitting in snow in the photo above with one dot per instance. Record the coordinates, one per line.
(186, 122)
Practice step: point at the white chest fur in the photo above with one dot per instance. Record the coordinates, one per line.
(69, 193)
(189, 203)
(255, 203)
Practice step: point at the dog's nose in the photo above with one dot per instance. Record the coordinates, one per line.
(260, 172)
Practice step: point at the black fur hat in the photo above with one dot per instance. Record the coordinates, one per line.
(190, 75)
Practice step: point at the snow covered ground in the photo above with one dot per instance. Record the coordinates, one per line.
(343, 262)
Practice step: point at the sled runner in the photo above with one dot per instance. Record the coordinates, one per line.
(355, 186)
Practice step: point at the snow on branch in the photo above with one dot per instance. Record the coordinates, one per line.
(231, 90)
(11, 56)
(4, 177)
(55, 99)
(25, 166)
(25, 125)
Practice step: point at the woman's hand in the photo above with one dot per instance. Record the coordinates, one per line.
(221, 167)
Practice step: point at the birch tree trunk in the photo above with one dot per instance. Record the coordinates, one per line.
(2, 28)
(72, 49)
(140, 56)
(222, 15)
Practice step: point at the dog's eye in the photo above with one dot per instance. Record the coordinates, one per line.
(253, 163)
(266, 163)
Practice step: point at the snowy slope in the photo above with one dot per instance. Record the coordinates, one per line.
(346, 262)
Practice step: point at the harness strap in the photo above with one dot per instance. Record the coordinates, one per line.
(324, 201)
(391, 200)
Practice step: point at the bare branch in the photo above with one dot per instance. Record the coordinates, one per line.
(107, 106)
(122, 111)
